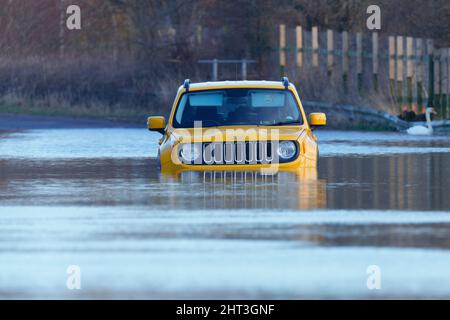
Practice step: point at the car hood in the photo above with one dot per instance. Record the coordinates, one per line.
(237, 133)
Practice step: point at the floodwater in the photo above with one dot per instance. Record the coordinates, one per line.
(94, 198)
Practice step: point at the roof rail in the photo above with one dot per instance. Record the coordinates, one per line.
(187, 82)
(285, 81)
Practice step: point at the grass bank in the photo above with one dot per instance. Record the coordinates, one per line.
(16, 106)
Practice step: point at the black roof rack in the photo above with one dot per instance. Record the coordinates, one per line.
(187, 82)
(285, 81)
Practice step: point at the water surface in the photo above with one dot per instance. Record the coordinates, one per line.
(94, 198)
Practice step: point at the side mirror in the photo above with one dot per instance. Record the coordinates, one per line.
(317, 119)
(156, 124)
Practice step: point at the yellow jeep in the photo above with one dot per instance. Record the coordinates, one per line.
(237, 125)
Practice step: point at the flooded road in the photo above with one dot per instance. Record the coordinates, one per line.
(95, 199)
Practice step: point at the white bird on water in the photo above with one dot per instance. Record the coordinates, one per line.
(422, 130)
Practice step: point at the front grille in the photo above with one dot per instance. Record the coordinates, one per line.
(237, 153)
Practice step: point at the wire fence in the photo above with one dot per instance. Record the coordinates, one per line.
(412, 72)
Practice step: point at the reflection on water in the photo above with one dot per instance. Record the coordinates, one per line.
(406, 181)
(248, 190)
(137, 182)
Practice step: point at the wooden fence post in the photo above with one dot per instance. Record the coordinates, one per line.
(359, 63)
(375, 48)
(444, 80)
(215, 69)
(299, 45)
(330, 52)
(448, 82)
(409, 71)
(199, 34)
(115, 49)
(392, 66)
(62, 26)
(430, 53)
(400, 57)
(315, 46)
(244, 69)
(345, 60)
(282, 33)
(437, 80)
(420, 74)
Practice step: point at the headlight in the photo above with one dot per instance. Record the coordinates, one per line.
(190, 152)
(286, 150)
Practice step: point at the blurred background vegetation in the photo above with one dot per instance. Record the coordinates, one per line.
(131, 55)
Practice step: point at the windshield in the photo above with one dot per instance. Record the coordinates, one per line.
(237, 107)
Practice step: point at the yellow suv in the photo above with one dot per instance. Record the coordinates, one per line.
(237, 125)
